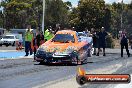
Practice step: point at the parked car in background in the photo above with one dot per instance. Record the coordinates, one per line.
(10, 39)
(0, 40)
(84, 37)
(82, 34)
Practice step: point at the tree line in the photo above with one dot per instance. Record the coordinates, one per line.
(88, 14)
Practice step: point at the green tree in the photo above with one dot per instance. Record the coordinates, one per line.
(19, 13)
(16, 12)
(107, 19)
(56, 12)
(74, 17)
(118, 9)
(91, 14)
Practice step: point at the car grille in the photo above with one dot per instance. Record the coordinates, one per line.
(40, 52)
(44, 54)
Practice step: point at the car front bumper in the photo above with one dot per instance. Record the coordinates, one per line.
(8, 42)
(52, 58)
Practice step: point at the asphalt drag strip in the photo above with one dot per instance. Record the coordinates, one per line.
(111, 64)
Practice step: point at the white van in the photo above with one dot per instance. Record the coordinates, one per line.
(10, 39)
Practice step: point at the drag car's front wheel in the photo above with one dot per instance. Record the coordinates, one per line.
(75, 58)
(41, 62)
(84, 61)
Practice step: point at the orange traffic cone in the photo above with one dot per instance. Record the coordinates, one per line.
(20, 46)
(17, 45)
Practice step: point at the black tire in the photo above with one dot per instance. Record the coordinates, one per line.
(13, 43)
(0, 45)
(75, 58)
(41, 63)
(7, 45)
(85, 61)
(81, 80)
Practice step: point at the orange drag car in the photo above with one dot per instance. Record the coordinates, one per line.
(64, 47)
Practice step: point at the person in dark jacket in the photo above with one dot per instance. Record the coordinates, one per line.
(124, 43)
(94, 36)
(102, 35)
(130, 40)
(38, 40)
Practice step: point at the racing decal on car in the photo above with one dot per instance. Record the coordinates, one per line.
(64, 44)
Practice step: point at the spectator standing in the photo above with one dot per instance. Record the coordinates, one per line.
(35, 45)
(48, 34)
(38, 39)
(41, 38)
(28, 40)
(130, 40)
(102, 35)
(94, 36)
(124, 43)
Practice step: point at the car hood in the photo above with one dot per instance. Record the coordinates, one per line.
(58, 47)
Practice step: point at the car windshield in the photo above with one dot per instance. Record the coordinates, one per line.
(8, 37)
(64, 38)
